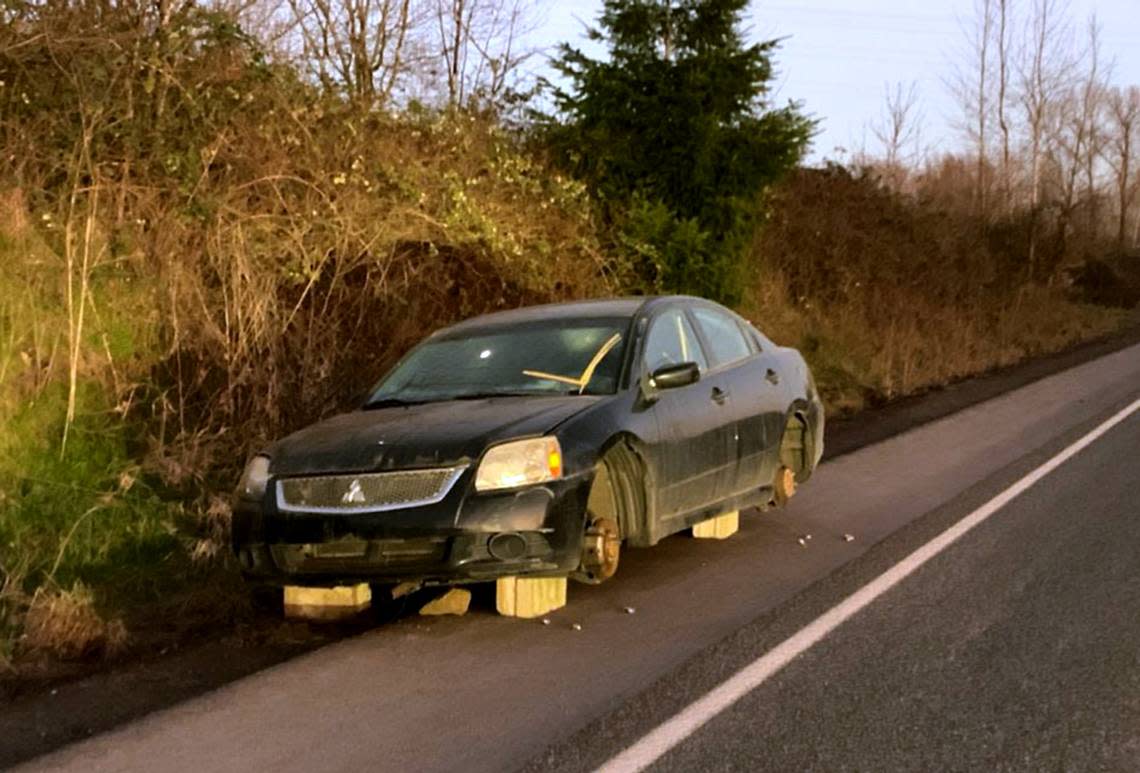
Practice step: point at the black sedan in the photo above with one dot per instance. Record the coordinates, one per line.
(535, 442)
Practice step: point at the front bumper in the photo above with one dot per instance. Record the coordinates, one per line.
(467, 537)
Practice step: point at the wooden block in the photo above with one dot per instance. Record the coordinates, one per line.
(406, 589)
(721, 527)
(326, 603)
(454, 602)
(529, 596)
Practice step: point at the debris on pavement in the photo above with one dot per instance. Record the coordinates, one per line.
(576, 626)
(630, 610)
(848, 537)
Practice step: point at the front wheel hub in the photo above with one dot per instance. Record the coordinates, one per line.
(601, 551)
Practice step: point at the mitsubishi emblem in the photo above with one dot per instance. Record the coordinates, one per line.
(354, 495)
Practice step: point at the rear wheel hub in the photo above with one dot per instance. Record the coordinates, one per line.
(784, 485)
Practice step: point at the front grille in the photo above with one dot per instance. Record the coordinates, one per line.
(373, 556)
(368, 492)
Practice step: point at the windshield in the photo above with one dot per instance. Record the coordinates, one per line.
(560, 357)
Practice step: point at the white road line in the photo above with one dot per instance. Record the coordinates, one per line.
(690, 719)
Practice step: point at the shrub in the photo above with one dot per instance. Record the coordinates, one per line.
(674, 133)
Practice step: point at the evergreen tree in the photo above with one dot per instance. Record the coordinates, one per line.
(674, 134)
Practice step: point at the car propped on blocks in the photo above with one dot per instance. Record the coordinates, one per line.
(535, 443)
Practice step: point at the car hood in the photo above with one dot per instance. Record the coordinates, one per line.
(430, 435)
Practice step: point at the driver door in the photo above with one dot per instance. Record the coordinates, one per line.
(692, 450)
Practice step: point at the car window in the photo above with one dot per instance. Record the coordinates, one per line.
(763, 342)
(756, 339)
(723, 335)
(751, 336)
(671, 341)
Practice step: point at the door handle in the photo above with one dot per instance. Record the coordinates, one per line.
(772, 377)
(719, 395)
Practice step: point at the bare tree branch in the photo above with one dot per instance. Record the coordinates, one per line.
(971, 85)
(1004, 24)
(1124, 115)
(356, 45)
(1077, 137)
(898, 131)
(1043, 75)
(478, 43)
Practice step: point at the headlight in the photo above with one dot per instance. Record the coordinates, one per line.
(255, 478)
(519, 463)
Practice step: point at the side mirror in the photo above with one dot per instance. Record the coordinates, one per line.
(674, 376)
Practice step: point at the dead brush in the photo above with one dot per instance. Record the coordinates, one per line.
(322, 262)
(212, 532)
(887, 296)
(65, 624)
(13, 602)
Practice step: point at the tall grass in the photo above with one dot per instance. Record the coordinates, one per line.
(74, 515)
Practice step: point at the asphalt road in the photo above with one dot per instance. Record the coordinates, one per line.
(1017, 647)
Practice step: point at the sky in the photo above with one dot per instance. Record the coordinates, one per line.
(838, 58)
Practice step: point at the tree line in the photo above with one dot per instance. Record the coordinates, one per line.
(1050, 140)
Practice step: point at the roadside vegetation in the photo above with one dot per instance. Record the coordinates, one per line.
(219, 223)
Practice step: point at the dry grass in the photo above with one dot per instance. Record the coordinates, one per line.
(13, 602)
(887, 296)
(65, 624)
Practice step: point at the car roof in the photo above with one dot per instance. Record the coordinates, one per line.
(590, 309)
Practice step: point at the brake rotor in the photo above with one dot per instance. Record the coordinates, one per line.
(785, 485)
(601, 550)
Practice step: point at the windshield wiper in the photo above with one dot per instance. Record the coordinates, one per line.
(391, 402)
(485, 395)
(396, 402)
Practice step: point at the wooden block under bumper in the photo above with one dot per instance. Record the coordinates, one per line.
(529, 596)
(721, 527)
(326, 603)
(453, 602)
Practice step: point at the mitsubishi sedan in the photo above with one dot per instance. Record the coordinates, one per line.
(535, 442)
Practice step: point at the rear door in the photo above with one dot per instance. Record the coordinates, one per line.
(693, 449)
(752, 378)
